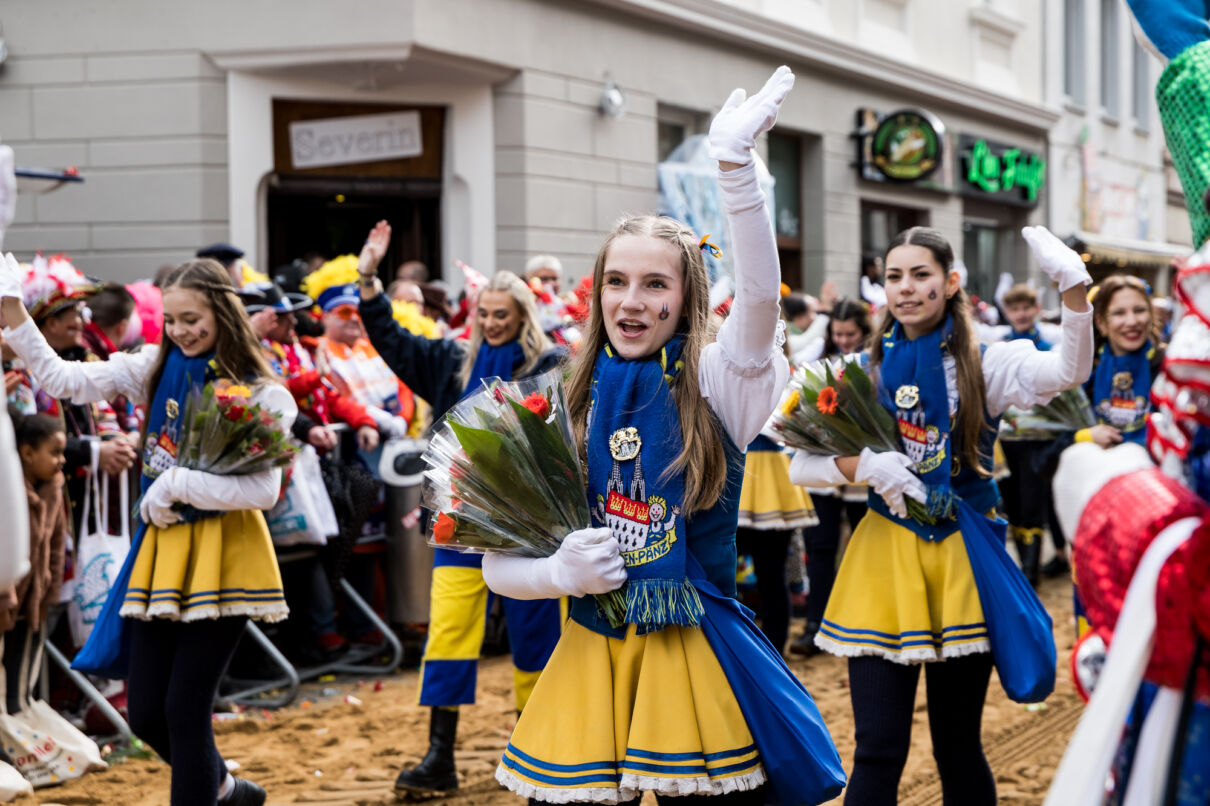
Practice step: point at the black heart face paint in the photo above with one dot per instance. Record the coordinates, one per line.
(203, 334)
(933, 294)
(664, 313)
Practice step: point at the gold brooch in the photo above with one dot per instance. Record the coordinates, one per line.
(907, 396)
(173, 408)
(624, 444)
(1123, 381)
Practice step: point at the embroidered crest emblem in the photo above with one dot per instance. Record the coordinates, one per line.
(173, 408)
(907, 396)
(624, 444)
(1123, 381)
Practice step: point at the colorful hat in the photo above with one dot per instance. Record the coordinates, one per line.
(259, 296)
(336, 272)
(53, 285)
(339, 295)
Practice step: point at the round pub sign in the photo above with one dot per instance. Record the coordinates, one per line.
(907, 145)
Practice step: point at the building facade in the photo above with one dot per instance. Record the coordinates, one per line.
(491, 130)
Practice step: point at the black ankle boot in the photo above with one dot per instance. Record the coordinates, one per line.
(1029, 549)
(805, 643)
(435, 773)
(245, 793)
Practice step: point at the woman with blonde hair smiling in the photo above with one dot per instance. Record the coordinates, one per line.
(506, 341)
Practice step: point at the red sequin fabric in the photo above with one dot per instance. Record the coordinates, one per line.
(1117, 526)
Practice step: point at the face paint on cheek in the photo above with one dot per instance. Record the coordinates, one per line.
(203, 334)
(664, 313)
(933, 294)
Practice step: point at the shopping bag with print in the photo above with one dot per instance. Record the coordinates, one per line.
(99, 555)
(12, 784)
(1019, 628)
(35, 754)
(78, 749)
(304, 515)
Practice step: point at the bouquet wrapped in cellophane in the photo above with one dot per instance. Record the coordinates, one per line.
(833, 409)
(227, 434)
(504, 474)
(1067, 411)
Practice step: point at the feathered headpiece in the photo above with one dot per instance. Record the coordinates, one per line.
(337, 271)
(51, 285)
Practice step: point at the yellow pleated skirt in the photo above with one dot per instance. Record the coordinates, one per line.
(611, 718)
(903, 598)
(221, 566)
(767, 499)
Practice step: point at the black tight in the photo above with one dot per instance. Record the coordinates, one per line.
(769, 550)
(753, 797)
(823, 543)
(884, 696)
(175, 670)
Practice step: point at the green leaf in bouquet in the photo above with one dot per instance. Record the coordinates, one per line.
(495, 459)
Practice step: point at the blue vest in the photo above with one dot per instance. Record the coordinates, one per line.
(711, 536)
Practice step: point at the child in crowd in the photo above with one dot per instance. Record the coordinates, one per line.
(905, 594)
(191, 584)
(41, 442)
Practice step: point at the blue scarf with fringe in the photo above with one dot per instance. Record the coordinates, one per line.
(1121, 390)
(634, 436)
(913, 389)
(494, 362)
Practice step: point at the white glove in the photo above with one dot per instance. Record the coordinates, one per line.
(10, 277)
(734, 130)
(815, 470)
(166, 490)
(588, 561)
(396, 428)
(890, 477)
(1057, 259)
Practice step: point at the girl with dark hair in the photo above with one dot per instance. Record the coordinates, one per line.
(686, 698)
(1128, 354)
(905, 593)
(848, 331)
(192, 584)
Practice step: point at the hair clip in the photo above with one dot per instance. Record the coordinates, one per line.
(706, 246)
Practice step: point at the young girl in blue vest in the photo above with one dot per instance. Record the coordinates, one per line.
(506, 342)
(1128, 354)
(905, 594)
(687, 697)
(194, 580)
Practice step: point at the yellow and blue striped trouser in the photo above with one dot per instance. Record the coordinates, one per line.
(456, 626)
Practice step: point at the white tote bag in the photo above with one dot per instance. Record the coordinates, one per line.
(78, 749)
(12, 784)
(305, 515)
(35, 754)
(99, 555)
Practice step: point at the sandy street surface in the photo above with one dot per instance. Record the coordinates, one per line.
(331, 752)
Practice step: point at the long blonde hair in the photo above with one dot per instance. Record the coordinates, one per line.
(703, 460)
(963, 345)
(534, 343)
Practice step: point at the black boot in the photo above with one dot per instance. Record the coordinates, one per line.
(245, 793)
(805, 643)
(1029, 549)
(435, 774)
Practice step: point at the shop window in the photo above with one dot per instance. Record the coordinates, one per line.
(786, 166)
(1142, 88)
(881, 222)
(1109, 58)
(1073, 50)
(673, 126)
(987, 250)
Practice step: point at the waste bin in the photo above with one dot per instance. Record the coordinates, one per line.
(409, 560)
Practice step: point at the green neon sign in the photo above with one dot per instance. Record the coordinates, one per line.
(1008, 170)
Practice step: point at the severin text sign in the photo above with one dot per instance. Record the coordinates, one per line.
(361, 138)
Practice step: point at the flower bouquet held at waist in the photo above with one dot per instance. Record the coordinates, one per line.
(833, 409)
(503, 474)
(1067, 411)
(229, 435)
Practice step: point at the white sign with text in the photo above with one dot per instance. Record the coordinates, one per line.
(362, 138)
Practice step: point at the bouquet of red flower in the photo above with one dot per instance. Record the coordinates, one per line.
(833, 409)
(504, 474)
(228, 435)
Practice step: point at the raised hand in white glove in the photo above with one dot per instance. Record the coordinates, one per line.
(890, 477)
(589, 561)
(156, 505)
(1057, 259)
(10, 277)
(734, 130)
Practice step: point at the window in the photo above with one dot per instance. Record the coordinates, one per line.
(1141, 79)
(673, 126)
(1073, 50)
(785, 164)
(881, 222)
(1109, 57)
